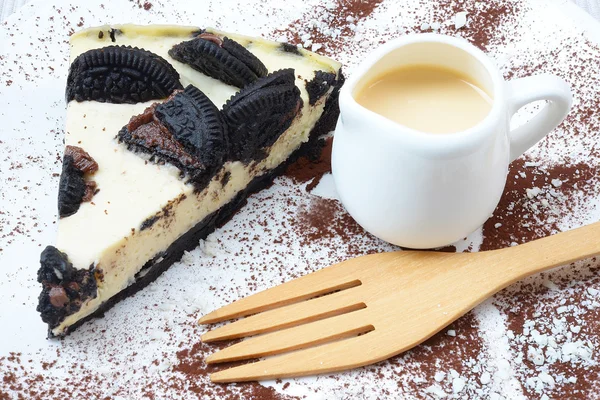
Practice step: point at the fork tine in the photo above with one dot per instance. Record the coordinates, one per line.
(331, 357)
(295, 338)
(291, 315)
(314, 284)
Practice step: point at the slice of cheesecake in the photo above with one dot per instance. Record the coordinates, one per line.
(169, 129)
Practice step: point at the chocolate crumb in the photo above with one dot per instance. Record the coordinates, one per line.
(81, 159)
(58, 297)
(113, 33)
(90, 191)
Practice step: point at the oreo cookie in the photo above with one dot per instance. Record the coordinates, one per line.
(121, 74)
(195, 122)
(186, 131)
(220, 58)
(258, 114)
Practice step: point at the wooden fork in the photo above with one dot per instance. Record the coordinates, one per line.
(370, 308)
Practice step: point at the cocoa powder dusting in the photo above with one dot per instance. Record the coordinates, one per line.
(534, 197)
(335, 24)
(192, 366)
(556, 311)
(309, 169)
(442, 352)
(325, 219)
(484, 19)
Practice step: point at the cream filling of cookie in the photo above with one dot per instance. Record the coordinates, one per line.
(106, 232)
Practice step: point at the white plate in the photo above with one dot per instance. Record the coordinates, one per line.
(129, 350)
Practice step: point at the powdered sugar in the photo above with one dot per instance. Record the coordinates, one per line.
(460, 20)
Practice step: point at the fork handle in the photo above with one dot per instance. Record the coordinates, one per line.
(552, 251)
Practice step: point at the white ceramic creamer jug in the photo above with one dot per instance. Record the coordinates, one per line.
(423, 190)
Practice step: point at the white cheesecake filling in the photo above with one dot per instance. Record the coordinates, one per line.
(106, 231)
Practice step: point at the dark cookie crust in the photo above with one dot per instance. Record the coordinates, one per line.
(64, 287)
(161, 262)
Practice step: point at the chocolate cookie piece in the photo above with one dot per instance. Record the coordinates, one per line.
(73, 189)
(221, 58)
(55, 266)
(186, 131)
(121, 74)
(319, 85)
(258, 114)
(64, 287)
(290, 48)
(196, 123)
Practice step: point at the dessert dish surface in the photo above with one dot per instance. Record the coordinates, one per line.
(537, 338)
